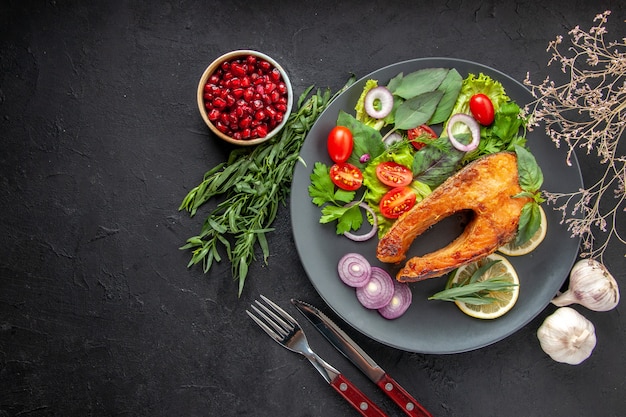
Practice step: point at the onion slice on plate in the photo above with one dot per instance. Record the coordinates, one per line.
(473, 126)
(372, 232)
(378, 291)
(400, 302)
(354, 270)
(378, 102)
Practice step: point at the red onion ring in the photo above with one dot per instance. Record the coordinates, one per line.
(473, 126)
(354, 270)
(371, 233)
(384, 96)
(400, 302)
(378, 291)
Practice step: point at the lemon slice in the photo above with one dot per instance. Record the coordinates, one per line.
(505, 300)
(511, 249)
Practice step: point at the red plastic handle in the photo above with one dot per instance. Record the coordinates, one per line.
(401, 397)
(356, 398)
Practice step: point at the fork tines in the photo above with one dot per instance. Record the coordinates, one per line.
(280, 321)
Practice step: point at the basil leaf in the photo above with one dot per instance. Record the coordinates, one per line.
(420, 81)
(451, 86)
(530, 175)
(417, 110)
(529, 222)
(367, 140)
(435, 162)
(395, 82)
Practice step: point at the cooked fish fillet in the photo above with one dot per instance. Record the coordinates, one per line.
(487, 187)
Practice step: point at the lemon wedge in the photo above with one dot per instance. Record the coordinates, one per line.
(511, 249)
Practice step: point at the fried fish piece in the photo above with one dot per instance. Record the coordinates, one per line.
(487, 187)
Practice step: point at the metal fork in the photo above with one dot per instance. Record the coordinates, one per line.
(285, 330)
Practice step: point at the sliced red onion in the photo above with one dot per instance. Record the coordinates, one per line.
(378, 96)
(378, 291)
(354, 270)
(473, 126)
(371, 233)
(392, 138)
(400, 302)
(364, 158)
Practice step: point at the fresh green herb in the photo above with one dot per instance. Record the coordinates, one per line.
(451, 87)
(530, 180)
(418, 82)
(436, 161)
(252, 184)
(334, 201)
(473, 291)
(417, 110)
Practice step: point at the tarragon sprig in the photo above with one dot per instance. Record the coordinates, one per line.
(251, 186)
(473, 291)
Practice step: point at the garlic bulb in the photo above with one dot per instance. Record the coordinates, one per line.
(590, 285)
(567, 336)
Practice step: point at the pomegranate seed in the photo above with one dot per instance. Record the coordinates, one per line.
(281, 107)
(279, 117)
(214, 114)
(221, 126)
(257, 104)
(282, 88)
(230, 100)
(237, 69)
(261, 131)
(237, 135)
(275, 96)
(245, 122)
(238, 93)
(224, 118)
(219, 102)
(245, 81)
(260, 115)
(275, 74)
(225, 66)
(245, 133)
(248, 94)
(264, 65)
(214, 78)
(251, 60)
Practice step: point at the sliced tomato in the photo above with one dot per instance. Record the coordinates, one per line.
(340, 143)
(346, 176)
(393, 174)
(397, 201)
(416, 132)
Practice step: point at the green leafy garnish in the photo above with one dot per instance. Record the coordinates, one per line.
(418, 82)
(417, 110)
(530, 181)
(473, 291)
(251, 184)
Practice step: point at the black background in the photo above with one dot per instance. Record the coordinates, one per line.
(101, 140)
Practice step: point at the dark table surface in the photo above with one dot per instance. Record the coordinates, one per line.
(101, 140)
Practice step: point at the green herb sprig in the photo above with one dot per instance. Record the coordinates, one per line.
(252, 184)
(473, 291)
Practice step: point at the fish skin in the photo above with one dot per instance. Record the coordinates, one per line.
(486, 187)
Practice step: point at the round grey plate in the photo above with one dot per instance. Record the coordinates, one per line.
(431, 326)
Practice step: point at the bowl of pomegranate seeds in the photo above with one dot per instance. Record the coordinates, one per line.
(245, 97)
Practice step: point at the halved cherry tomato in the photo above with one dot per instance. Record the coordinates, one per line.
(346, 176)
(393, 174)
(340, 144)
(396, 202)
(482, 109)
(416, 132)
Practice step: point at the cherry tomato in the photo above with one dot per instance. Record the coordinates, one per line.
(340, 144)
(416, 132)
(482, 109)
(393, 174)
(396, 202)
(346, 176)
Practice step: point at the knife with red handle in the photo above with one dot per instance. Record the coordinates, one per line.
(348, 347)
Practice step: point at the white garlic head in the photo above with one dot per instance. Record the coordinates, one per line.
(591, 285)
(567, 336)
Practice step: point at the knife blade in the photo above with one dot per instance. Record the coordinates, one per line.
(349, 348)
